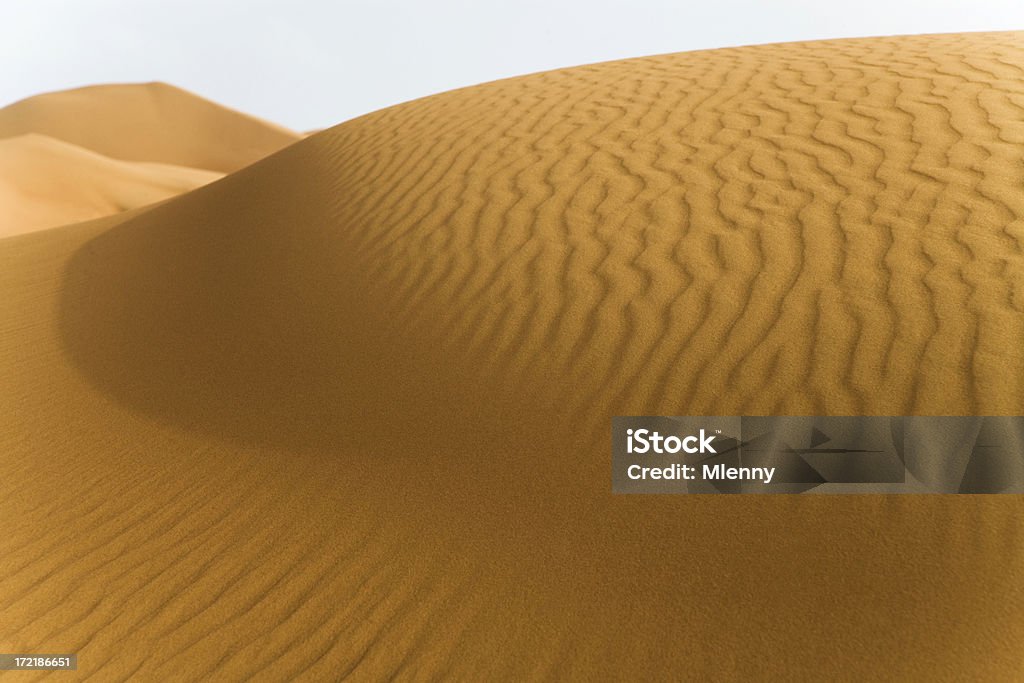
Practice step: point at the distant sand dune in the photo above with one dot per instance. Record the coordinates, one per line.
(148, 122)
(347, 410)
(46, 182)
(79, 154)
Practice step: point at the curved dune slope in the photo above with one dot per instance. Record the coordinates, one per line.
(347, 411)
(148, 122)
(46, 182)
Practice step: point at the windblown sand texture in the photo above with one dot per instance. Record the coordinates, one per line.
(347, 411)
(79, 154)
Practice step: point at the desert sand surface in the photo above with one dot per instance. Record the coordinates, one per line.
(346, 412)
(46, 182)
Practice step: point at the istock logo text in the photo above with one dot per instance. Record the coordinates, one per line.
(646, 441)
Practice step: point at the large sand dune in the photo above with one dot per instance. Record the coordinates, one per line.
(347, 411)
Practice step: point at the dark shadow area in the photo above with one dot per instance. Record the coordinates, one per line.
(239, 314)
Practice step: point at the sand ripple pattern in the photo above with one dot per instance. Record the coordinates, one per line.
(818, 228)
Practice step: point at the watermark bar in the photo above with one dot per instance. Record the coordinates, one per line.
(27, 662)
(652, 454)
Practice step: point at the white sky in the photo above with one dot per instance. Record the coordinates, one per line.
(313, 63)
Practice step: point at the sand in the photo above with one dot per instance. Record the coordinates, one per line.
(347, 410)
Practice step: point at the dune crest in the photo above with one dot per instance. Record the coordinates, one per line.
(347, 410)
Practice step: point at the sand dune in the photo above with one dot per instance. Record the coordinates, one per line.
(80, 154)
(46, 183)
(148, 122)
(347, 411)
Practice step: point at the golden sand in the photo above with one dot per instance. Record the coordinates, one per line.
(347, 411)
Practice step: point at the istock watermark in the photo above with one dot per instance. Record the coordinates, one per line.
(827, 454)
(645, 440)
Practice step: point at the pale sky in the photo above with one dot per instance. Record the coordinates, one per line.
(313, 63)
